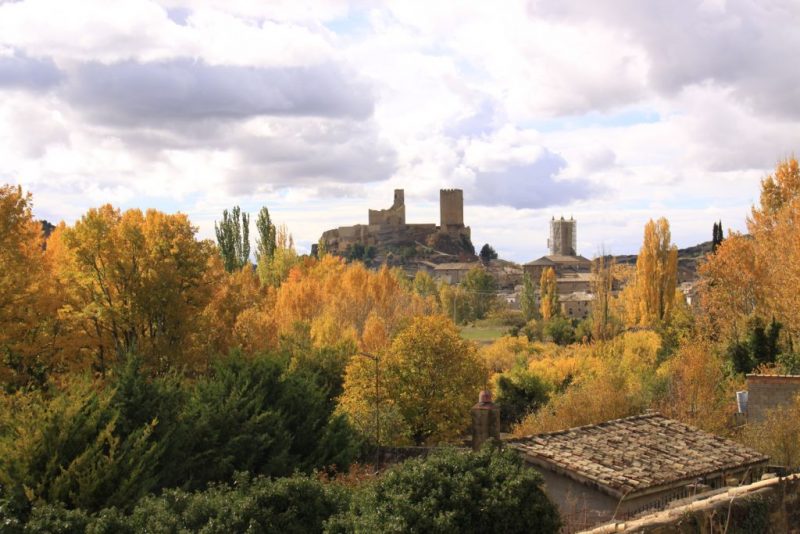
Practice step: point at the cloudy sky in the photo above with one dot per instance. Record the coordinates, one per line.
(610, 111)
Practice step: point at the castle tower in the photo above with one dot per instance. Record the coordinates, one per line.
(563, 237)
(451, 207)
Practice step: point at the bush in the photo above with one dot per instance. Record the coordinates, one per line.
(289, 505)
(453, 491)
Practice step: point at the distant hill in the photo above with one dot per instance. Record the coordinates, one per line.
(688, 260)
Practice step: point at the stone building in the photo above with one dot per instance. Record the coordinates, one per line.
(576, 305)
(387, 228)
(623, 467)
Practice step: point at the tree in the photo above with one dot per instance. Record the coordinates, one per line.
(656, 274)
(602, 285)
(718, 236)
(487, 253)
(548, 291)
(28, 297)
(273, 271)
(425, 285)
(481, 287)
(233, 238)
(756, 275)
(132, 282)
(559, 330)
(453, 491)
(518, 394)
(428, 382)
(266, 240)
(527, 298)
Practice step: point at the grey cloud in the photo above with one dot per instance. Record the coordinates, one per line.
(314, 153)
(22, 72)
(186, 90)
(748, 45)
(532, 185)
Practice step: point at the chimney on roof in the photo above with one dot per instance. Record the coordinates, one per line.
(485, 420)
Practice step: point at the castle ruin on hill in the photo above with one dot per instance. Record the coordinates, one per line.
(387, 229)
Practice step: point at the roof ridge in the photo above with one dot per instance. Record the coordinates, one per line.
(645, 415)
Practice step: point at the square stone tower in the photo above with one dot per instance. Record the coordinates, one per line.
(563, 237)
(451, 207)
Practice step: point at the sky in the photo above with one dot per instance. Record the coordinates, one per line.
(612, 112)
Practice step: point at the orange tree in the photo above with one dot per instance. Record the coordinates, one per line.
(27, 296)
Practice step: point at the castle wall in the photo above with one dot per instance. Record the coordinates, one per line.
(395, 215)
(451, 208)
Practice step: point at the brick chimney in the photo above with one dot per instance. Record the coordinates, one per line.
(485, 420)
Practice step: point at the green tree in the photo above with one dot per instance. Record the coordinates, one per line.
(66, 448)
(265, 242)
(233, 239)
(527, 298)
(453, 491)
(718, 236)
(602, 286)
(481, 287)
(487, 253)
(560, 330)
(519, 393)
(252, 415)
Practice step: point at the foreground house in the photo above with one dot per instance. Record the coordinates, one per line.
(622, 467)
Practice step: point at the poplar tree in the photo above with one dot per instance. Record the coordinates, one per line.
(233, 239)
(656, 274)
(602, 285)
(549, 293)
(265, 242)
(527, 298)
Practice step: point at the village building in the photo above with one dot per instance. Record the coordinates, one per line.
(623, 467)
(453, 273)
(576, 305)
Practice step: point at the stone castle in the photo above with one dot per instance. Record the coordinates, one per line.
(387, 228)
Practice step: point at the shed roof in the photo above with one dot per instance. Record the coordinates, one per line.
(636, 455)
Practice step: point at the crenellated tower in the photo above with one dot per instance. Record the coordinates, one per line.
(451, 207)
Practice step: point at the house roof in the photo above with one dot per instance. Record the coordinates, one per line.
(557, 258)
(636, 455)
(576, 296)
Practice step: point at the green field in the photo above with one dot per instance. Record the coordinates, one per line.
(483, 334)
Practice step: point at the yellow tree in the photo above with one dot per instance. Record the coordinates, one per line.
(28, 300)
(656, 273)
(136, 283)
(548, 291)
(429, 379)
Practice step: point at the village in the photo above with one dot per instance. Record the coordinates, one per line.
(644, 473)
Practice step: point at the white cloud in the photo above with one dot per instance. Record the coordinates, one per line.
(613, 112)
